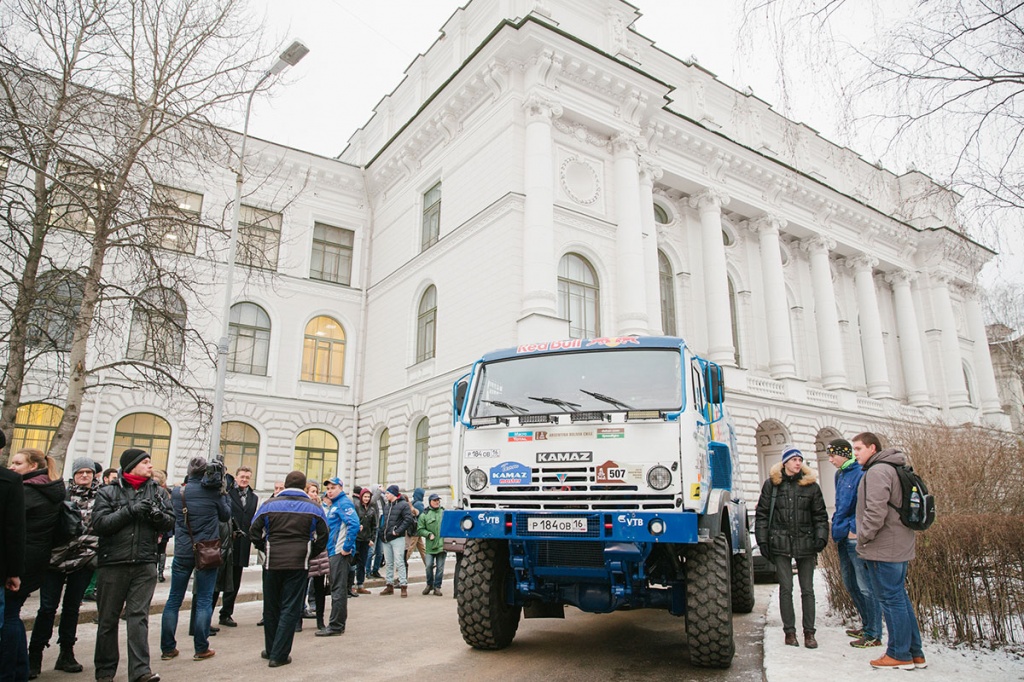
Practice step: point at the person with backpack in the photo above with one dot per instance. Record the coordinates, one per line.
(852, 568)
(887, 546)
(791, 522)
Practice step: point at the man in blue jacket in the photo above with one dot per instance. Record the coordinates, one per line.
(844, 531)
(343, 523)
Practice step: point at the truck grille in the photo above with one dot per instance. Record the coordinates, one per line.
(560, 553)
(562, 487)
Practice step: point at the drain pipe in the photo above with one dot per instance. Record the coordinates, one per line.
(357, 383)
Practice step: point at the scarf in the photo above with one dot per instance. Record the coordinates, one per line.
(134, 481)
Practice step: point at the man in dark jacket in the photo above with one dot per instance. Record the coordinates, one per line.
(396, 522)
(289, 528)
(792, 523)
(853, 569)
(888, 547)
(12, 529)
(206, 507)
(128, 516)
(244, 503)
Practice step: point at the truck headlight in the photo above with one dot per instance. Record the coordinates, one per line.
(476, 480)
(659, 477)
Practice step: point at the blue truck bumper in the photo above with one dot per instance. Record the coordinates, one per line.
(504, 524)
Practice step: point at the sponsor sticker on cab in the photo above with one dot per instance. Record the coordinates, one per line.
(611, 433)
(611, 472)
(511, 473)
(520, 436)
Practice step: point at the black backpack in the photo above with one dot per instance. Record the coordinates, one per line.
(918, 509)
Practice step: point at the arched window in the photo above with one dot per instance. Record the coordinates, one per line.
(661, 215)
(578, 296)
(666, 282)
(383, 449)
(734, 310)
(422, 448)
(240, 446)
(323, 351)
(316, 454)
(34, 426)
(51, 323)
(968, 384)
(426, 325)
(158, 327)
(248, 339)
(144, 431)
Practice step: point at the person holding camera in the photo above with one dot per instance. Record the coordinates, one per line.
(127, 517)
(200, 505)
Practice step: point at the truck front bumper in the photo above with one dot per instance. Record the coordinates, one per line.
(514, 524)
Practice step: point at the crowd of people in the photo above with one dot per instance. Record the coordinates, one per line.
(127, 518)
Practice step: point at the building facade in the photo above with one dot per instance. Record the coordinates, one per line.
(543, 171)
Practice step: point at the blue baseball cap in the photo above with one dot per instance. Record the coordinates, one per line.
(336, 481)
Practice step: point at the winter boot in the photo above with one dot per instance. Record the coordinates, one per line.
(405, 591)
(66, 660)
(388, 589)
(35, 662)
(809, 641)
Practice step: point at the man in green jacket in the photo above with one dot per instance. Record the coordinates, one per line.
(429, 527)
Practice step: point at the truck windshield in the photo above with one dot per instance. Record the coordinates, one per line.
(599, 381)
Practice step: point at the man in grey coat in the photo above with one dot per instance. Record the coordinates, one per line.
(887, 546)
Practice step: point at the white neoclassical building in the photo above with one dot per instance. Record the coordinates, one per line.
(543, 171)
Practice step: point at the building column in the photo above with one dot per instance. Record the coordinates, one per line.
(538, 319)
(911, 352)
(988, 391)
(875, 370)
(830, 341)
(780, 334)
(952, 360)
(709, 204)
(630, 287)
(649, 174)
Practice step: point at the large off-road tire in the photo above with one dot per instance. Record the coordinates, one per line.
(742, 573)
(709, 604)
(486, 619)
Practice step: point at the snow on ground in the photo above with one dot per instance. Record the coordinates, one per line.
(836, 659)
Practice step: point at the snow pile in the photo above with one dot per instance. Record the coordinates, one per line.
(836, 659)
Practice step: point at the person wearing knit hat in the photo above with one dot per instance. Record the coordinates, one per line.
(133, 457)
(81, 463)
(852, 568)
(396, 522)
(791, 523)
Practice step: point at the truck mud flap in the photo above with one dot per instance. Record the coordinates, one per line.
(537, 609)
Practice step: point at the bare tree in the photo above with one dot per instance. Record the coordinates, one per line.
(102, 104)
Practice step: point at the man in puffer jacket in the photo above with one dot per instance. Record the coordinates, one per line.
(72, 566)
(396, 522)
(128, 516)
(792, 523)
(343, 523)
(428, 526)
(207, 506)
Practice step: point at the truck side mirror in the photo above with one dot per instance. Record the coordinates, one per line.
(714, 384)
(460, 397)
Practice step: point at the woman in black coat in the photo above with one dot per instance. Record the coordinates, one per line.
(44, 494)
(791, 523)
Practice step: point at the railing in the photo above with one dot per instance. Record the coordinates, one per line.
(766, 387)
(824, 398)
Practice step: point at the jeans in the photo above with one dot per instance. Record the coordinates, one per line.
(129, 587)
(855, 576)
(435, 569)
(340, 564)
(206, 581)
(805, 572)
(394, 554)
(888, 580)
(49, 599)
(283, 594)
(13, 646)
(362, 555)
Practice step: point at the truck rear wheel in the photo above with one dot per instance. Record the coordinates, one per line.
(709, 604)
(742, 572)
(486, 619)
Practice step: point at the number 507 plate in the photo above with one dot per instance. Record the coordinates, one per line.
(557, 524)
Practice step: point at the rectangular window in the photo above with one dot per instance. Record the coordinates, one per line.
(75, 197)
(174, 219)
(332, 254)
(431, 217)
(259, 237)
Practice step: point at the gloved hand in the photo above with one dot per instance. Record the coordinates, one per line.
(819, 544)
(138, 507)
(156, 514)
(767, 557)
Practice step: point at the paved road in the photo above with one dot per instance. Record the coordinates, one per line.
(418, 638)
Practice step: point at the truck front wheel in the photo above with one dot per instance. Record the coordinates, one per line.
(486, 618)
(709, 604)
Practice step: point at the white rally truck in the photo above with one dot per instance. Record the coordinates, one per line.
(598, 473)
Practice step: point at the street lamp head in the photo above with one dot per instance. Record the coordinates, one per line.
(292, 55)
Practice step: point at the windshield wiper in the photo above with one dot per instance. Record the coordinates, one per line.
(606, 399)
(564, 404)
(507, 406)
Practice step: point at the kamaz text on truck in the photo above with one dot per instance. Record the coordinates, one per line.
(598, 473)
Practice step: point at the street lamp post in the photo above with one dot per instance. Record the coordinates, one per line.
(290, 57)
